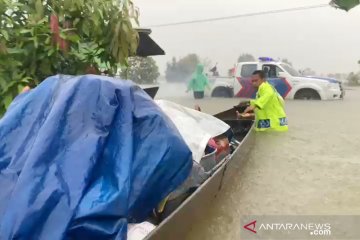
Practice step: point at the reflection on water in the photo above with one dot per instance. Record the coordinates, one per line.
(312, 169)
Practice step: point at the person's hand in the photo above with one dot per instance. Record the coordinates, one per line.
(249, 109)
(244, 115)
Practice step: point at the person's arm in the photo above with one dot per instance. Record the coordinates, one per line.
(260, 102)
(250, 108)
(245, 115)
(207, 84)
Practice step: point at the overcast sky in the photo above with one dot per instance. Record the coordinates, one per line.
(326, 39)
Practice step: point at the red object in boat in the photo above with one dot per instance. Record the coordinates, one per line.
(212, 143)
(222, 145)
(223, 148)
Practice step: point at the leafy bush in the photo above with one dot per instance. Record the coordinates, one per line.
(40, 38)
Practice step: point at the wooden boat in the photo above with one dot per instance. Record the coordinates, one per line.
(192, 210)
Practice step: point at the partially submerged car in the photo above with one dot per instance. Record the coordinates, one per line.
(287, 81)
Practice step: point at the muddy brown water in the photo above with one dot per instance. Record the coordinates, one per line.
(314, 169)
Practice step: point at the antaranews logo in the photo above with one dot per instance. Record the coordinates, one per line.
(296, 227)
(312, 228)
(286, 227)
(251, 227)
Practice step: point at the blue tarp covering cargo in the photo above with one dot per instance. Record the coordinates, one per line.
(80, 157)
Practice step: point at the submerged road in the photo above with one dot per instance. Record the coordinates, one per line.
(314, 169)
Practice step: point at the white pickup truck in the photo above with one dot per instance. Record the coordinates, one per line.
(288, 82)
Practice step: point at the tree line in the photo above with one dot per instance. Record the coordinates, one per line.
(146, 71)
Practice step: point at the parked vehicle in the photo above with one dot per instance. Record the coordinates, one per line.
(287, 81)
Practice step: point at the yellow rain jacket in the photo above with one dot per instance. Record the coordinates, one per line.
(269, 113)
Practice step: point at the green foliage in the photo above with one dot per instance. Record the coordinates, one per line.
(246, 58)
(40, 38)
(345, 4)
(180, 71)
(141, 70)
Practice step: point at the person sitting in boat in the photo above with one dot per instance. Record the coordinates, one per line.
(198, 82)
(268, 106)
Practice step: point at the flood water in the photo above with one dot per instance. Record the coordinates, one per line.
(314, 169)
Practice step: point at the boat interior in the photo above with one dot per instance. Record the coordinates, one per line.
(239, 129)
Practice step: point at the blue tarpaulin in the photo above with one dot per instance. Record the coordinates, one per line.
(80, 157)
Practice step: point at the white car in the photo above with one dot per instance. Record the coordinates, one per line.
(287, 81)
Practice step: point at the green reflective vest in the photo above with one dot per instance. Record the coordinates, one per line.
(269, 113)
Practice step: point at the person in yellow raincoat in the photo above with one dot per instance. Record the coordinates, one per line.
(268, 106)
